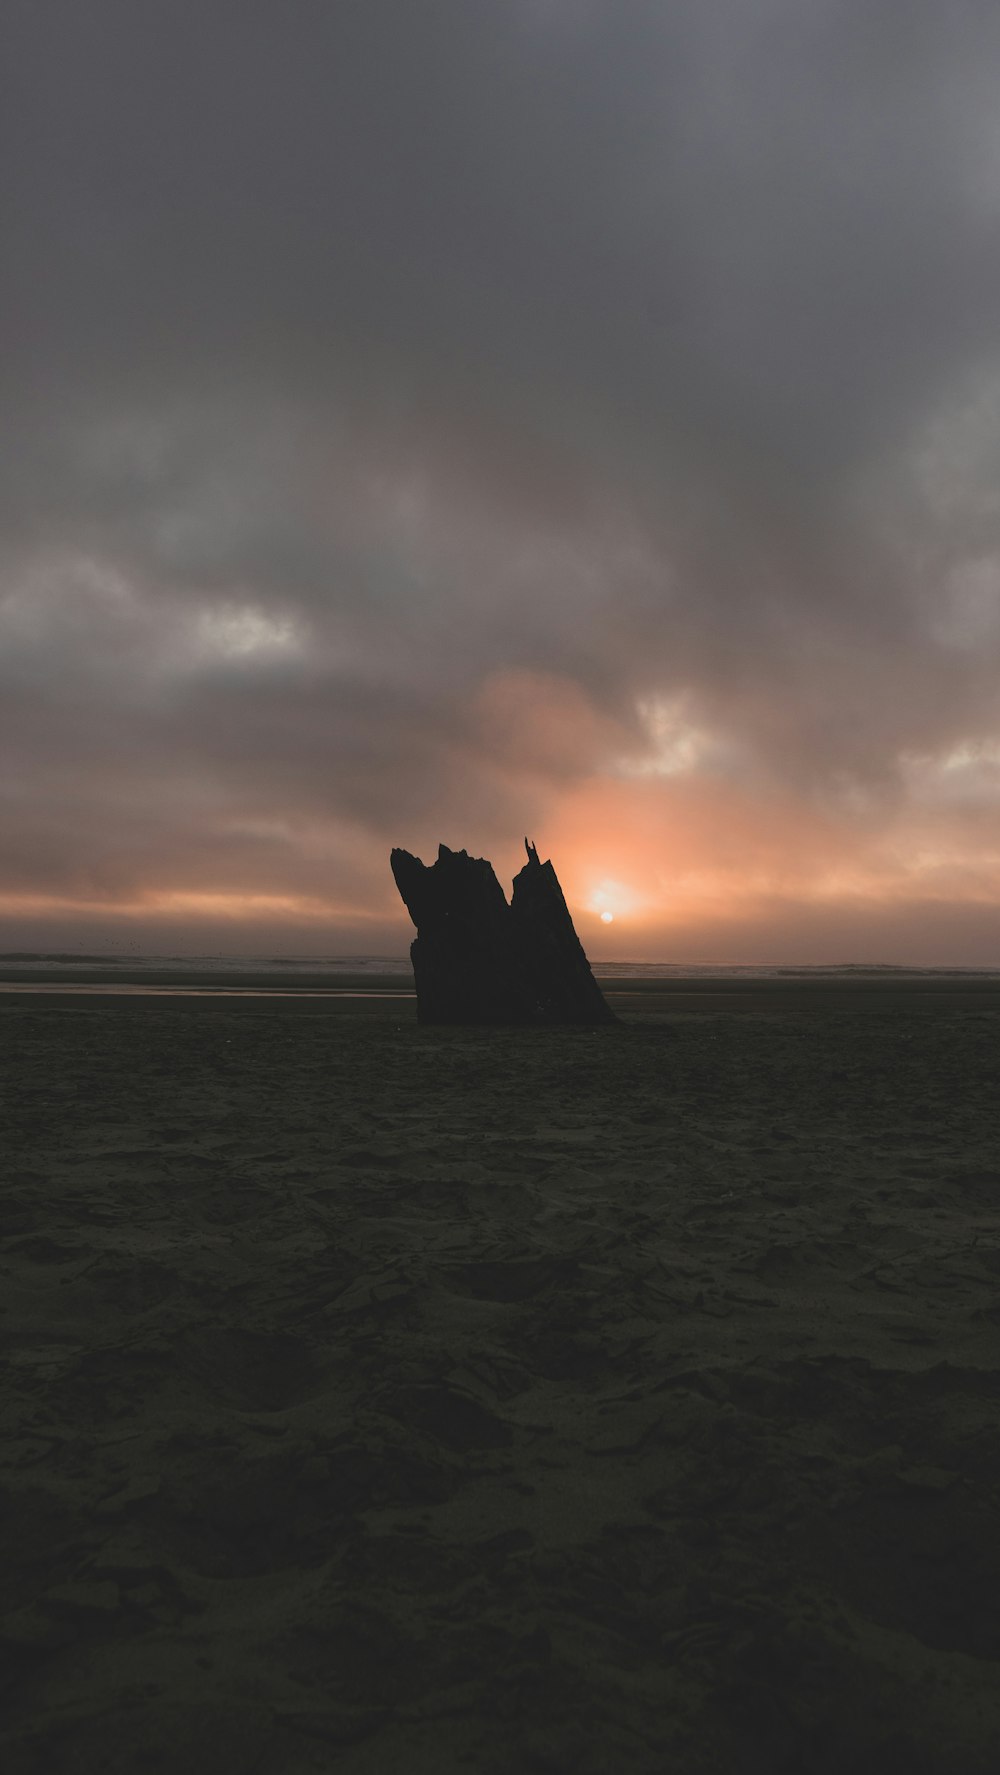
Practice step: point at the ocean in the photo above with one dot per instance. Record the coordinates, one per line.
(64, 964)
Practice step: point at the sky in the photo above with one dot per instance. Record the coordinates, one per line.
(433, 421)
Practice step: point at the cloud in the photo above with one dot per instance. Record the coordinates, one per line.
(424, 422)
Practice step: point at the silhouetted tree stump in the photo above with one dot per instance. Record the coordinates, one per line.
(477, 959)
(562, 988)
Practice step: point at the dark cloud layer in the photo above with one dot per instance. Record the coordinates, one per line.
(418, 412)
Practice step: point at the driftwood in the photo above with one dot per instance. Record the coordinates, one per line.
(477, 959)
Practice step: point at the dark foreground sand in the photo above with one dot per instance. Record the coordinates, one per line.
(378, 1399)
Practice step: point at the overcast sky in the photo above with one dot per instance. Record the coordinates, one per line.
(430, 420)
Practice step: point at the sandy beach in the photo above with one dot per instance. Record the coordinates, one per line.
(378, 1398)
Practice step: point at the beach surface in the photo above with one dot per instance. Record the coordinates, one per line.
(384, 1398)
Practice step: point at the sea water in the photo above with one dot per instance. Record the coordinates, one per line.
(63, 965)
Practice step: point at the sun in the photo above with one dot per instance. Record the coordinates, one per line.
(611, 899)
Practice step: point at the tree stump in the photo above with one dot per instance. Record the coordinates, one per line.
(478, 959)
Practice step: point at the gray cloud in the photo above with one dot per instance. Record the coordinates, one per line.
(374, 363)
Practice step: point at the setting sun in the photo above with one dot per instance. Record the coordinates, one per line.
(607, 918)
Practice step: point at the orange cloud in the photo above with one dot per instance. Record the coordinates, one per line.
(542, 725)
(686, 857)
(184, 904)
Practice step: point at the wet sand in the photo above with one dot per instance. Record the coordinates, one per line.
(379, 1398)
